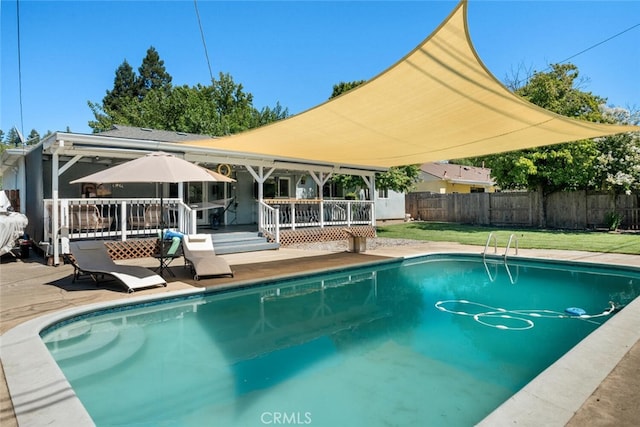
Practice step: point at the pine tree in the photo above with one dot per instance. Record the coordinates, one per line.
(152, 74)
(124, 88)
(33, 138)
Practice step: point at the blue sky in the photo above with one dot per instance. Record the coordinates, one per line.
(290, 51)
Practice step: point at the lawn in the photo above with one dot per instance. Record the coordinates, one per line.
(595, 241)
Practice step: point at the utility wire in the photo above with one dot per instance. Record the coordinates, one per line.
(19, 69)
(204, 43)
(599, 43)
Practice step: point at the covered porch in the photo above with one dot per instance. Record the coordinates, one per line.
(279, 197)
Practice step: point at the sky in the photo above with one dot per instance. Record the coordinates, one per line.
(291, 52)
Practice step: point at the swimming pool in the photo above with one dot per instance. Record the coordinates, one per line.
(431, 341)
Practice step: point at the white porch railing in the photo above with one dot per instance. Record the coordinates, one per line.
(116, 218)
(269, 221)
(294, 213)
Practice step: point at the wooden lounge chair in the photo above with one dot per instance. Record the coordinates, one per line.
(91, 258)
(199, 254)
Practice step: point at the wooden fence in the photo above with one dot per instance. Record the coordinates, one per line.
(575, 210)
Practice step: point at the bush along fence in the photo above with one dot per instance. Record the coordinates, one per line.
(573, 210)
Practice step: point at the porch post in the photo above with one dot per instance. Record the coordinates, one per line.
(55, 212)
(260, 197)
(260, 178)
(123, 220)
(320, 181)
(371, 183)
(372, 197)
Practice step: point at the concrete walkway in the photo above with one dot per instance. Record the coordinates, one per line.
(29, 289)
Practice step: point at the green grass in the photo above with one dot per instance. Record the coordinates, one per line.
(595, 241)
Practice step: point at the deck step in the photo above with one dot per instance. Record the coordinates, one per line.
(237, 242)
(238, 236)
(254, 247)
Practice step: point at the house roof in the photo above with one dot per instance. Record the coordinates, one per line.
(147, 134)
(459, 174)
(439, 102)
(126, 142)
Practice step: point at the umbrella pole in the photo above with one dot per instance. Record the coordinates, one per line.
(162, 224)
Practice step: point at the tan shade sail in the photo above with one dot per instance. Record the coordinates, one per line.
(438, 103)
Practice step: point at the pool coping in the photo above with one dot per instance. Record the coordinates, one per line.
(43, 395)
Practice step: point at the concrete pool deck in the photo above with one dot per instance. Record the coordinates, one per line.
(30, 289)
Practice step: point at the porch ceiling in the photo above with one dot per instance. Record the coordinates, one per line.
(98, 146)
(439, 102)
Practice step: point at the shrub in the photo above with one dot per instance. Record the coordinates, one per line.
(613, 220)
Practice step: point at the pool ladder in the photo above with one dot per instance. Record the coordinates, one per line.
(492, 235)
(506, 251)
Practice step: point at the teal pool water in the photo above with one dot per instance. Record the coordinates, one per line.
(438, 341)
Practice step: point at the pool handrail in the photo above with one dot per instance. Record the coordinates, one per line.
(509, 245)
(495, 244)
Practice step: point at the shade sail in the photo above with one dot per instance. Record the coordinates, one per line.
(439, 102)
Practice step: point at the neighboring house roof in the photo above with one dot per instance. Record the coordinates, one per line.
(147, 134)
(459, 174)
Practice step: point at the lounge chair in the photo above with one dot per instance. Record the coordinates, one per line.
(91, 258)
(88, 217)
(201, 257)
(145, 217)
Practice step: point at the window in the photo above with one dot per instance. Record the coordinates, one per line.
(274, 188)
(332, 190)
(283, 186)
(383, 193)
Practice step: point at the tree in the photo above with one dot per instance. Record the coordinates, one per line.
(569, 166)
(33, 137)
(557, 91)
(343, 87)
(3, 147)
(234, 107)
(152, 74)
(13, 138)
(618, 162)
(397, 178)
(125, 88)
(149, 100)
(268, 115)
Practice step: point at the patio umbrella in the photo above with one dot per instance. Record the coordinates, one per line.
(158, 167)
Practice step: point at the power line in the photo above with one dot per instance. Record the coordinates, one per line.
(19, 66)
(204, 43)
(599, 43)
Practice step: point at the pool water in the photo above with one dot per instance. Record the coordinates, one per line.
(437, 341)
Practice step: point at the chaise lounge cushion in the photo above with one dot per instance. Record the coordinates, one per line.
(199, 253)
